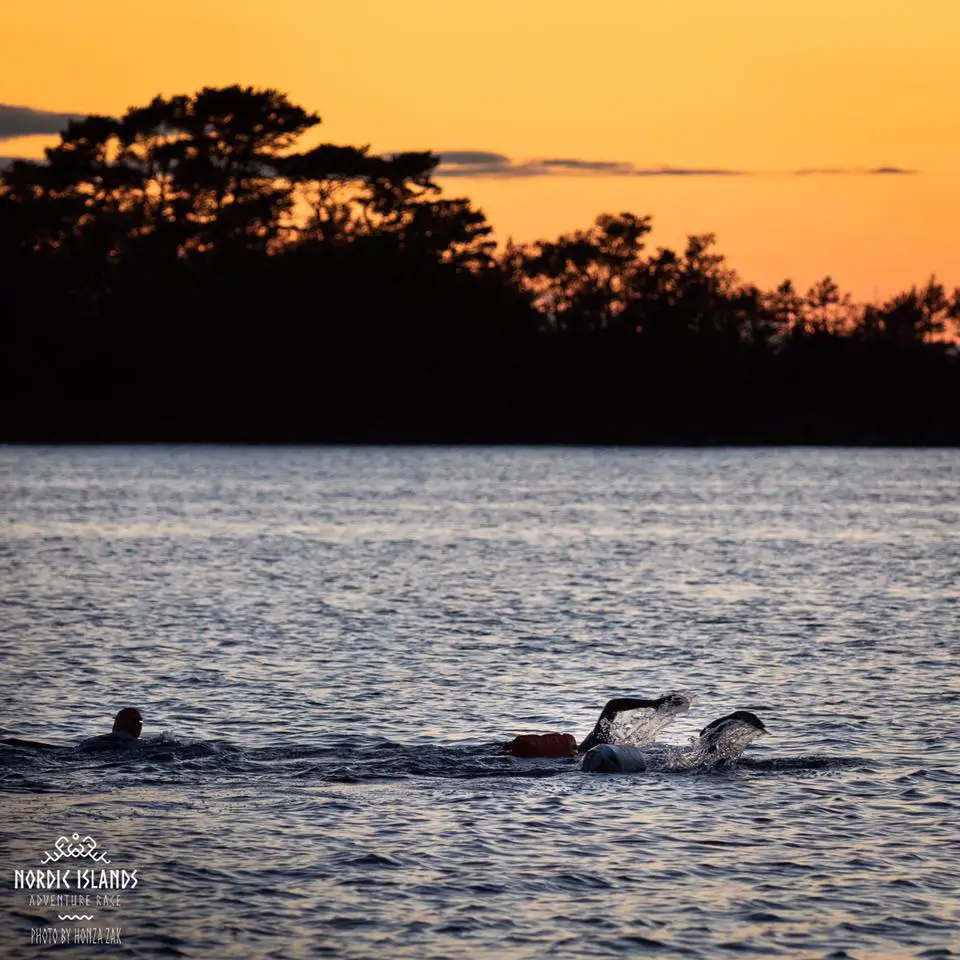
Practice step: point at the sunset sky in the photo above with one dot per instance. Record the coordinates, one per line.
(764, 121)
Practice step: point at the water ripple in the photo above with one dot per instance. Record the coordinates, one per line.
(329, 648)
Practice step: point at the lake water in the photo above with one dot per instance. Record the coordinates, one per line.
(328, 647)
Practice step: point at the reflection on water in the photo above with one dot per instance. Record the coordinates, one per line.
(329, 646)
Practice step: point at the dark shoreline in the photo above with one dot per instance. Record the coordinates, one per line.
(206, 285)
(948, 438)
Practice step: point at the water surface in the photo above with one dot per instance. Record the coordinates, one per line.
(328, 647)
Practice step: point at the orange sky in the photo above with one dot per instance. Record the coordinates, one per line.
(762, 86)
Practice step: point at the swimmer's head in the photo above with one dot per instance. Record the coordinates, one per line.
(129, 721)
(743, 719)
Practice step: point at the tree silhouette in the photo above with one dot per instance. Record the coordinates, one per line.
(583, 281)
(186, 272)
(912, 318)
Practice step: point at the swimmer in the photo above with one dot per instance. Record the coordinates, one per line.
(723, 740)
(126, 730)
(741, 724)
(127, 726)
(565, 745)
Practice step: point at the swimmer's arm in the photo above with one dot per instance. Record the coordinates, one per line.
(601, 731)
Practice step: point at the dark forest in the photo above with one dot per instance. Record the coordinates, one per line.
(183, 273)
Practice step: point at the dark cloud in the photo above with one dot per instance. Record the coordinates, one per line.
(26, 122)
(689, 172)
(506, 170)
(473, 157)
(477, 163)
(588, 166)
(481, 163)
(851, 171)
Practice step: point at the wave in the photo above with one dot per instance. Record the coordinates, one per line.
(363, 759)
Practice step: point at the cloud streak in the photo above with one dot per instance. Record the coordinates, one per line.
(27, 122)
(854, 171)
(16, 121)
(483, 163)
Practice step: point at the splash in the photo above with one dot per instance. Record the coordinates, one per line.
(722, 749)
(637, 728)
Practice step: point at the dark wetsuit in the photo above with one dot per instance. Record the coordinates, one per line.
(109, 741)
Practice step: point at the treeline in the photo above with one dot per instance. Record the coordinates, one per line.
(183, 273)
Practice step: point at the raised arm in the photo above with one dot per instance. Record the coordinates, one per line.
(674, 702)
(601, 730)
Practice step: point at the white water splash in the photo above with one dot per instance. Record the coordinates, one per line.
(637, 728)
(705, 754)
